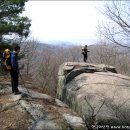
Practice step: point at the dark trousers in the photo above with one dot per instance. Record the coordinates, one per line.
(14, 80)
(85, 57)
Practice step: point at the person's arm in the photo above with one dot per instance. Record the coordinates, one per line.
(14, 62)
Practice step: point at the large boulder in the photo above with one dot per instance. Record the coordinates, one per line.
(96, 92)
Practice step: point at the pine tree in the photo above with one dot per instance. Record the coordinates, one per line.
(10, 20)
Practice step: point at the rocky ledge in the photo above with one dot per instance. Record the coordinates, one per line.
(97, 92)
(33, 110)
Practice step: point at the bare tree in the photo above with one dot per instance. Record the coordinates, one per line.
(111, 54)
(74, 53)
(117, 28)
(46, 72)
(104, 53)
(29, 49)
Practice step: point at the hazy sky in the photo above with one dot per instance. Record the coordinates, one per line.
(69, 21)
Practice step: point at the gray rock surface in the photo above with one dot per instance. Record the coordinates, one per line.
(74, 121)
(96, 92)
(33, 110)
(47, 125)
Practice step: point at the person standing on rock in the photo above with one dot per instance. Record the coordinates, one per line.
(85, 53)
(15, 70)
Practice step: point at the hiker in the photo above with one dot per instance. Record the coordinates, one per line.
(85, 53)
(15, 70)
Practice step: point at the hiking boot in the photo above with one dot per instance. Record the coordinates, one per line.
(13, 90)
(16, 93)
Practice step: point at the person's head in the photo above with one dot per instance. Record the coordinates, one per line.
(85, 46)
(17, 49)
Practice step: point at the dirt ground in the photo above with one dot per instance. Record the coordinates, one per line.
(12, 118)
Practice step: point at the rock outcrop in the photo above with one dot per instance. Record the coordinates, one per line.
(97, 92)
(33, 110)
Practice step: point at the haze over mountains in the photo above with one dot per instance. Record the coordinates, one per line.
(60, 43)
(55, 44)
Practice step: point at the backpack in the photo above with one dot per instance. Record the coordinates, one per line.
(83, 52)
(6, 60)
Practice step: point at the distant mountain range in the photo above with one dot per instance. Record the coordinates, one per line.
(62, 43)
(54, 45)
